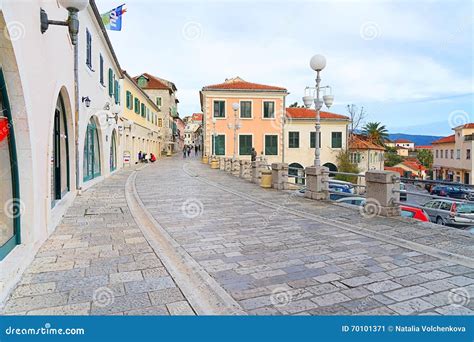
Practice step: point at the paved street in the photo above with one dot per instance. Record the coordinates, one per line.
(260, 251)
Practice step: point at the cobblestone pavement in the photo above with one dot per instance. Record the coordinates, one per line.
(275, 253)
(97, 262)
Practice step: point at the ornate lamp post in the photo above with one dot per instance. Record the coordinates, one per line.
(317, 63)
(235, 126)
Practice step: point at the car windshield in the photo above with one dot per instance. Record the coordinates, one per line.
(465, 208)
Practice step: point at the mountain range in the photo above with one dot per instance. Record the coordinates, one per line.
(417, 139)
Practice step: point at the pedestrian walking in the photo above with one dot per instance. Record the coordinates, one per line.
(139, 157)
(189, 151)
(184, 151)
(195, 150)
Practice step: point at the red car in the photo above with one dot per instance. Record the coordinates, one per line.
(414, 213)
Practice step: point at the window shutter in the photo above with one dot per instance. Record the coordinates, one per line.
(111, 82)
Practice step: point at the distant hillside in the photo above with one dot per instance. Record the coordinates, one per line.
(417, 139)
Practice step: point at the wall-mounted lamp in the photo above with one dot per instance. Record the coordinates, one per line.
(72, 22)
(87, 101)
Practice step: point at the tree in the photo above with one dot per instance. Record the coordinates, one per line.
(425, 157)
(376, 132)
(344, 164)
(357, 116)
(295, 105)
(391, 156)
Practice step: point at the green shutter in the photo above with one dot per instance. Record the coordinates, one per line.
(271, 145)
(220, 145)
(245, 145)
(294, 139)
(111, 82)
(336, 139)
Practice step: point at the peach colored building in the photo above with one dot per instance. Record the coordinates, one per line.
(259, 119)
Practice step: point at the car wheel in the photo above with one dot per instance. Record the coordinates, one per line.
(440, 221)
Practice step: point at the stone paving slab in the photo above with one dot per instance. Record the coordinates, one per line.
(274, 261)
(97, 262)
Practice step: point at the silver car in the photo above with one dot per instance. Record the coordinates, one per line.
(450, 213)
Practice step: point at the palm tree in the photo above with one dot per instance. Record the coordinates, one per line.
(376, 132)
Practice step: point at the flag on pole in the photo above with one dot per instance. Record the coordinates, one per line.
(113, 19)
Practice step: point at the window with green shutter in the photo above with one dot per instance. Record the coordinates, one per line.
(143, 110)
(245, 109)
(220, 145)
(312, 140)
(111, 82)
(268, 109)
(271, 145)
(137, 106)
(101, 69)
(88, 49)
(129, 100)
(158, 101)
(293, 139)
(336, 139)
(116, 92)
(245, 145)
(219, 109)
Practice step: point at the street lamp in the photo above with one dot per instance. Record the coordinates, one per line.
(213, 137)
(72, 22)
(317, 63)
(235, 126)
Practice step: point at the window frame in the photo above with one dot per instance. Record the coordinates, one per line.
(251, 145)
(263, 110)
(212, 142)
(265, 144)
(89, 49)
(332, 140)
(251, 110)
(289, 139)
(225, 109)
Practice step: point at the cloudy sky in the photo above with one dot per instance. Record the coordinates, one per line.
(409, 63)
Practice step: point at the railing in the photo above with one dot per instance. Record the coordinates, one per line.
(436, 182)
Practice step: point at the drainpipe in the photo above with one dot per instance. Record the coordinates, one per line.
(283, 130)
(76, 103)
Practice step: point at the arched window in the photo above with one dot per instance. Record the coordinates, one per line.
(10, 204)
(60, 154)
(91, 164)
(113, 152)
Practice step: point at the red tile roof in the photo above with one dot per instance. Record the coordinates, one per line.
(445, 140)
(395, 169)
(153, 82)
(413, 165)
(239, 84)
(403, 141)
(424, 147)
(468, 125)
(359, 142)
(304, 113)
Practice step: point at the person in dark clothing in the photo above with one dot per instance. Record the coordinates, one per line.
(184, 151)
(140, 156)
(254, 155)
(189, 151)
(196, 150)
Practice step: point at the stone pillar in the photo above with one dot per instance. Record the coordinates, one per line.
(227, 164)
(243, 170)
(256, 171)
(380, 197)
(280, 176)
(221, 163)
(317, 186)
(235, 166)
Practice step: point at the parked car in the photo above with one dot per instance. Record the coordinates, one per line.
(340, 187)
(449, 191)
(403, 192)
(414, 213)
(406, 210)
(358, 201)
(450, 213)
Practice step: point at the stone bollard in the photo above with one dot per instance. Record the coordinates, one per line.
(226, 164)
(380, 196)
(317, 186)
(235, 166)
(243, 168)
(256, 171)
(280, 176)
